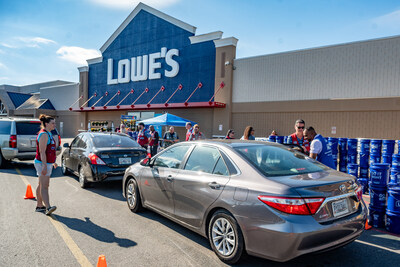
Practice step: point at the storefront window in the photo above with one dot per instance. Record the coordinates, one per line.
(142, 115)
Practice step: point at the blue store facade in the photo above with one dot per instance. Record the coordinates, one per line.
(153, 64)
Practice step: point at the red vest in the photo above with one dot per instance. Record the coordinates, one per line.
(188, 134)
(153, 139)
(142, 138)
(50, 149)
(306, 144)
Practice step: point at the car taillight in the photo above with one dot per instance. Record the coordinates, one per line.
(148, 155)
(13, 141)
(95, 160)
(59, 140)
(293, 205)
(359, 192)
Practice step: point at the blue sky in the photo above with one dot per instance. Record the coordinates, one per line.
(44, 40)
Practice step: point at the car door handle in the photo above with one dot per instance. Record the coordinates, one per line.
(169, 178)
(214, 185)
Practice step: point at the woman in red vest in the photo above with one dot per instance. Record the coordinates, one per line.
(44, 162)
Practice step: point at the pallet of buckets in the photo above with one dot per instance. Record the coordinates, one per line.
(377, 168)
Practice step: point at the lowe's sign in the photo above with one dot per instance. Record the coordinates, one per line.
(143, 67)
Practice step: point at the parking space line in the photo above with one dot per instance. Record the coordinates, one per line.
(72, 246)
(370, 244)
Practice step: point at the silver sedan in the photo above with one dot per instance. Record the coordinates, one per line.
(259, 198)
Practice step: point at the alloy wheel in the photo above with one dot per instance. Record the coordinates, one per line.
(131, 194)
(223, 236)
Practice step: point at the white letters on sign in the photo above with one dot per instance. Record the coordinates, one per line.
(143, 67)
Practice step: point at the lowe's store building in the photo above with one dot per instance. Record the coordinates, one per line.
(154, 63)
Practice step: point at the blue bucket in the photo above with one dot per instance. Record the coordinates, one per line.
(285, 139)
(352, 169)
(342, 168)
(376, 146)
(352, 145)
(364, 160)
(388, 147)
(387, 158)
(393, 222)
(374, 158)
(396, 160)
(272, 138)
(394, 176)
(279, 139)
(364, 146)
(376, 217)
(333, 143)
(364, 184)
(342, 144)
(379, 174)
(393, 199)
(364, 172)
(352, 159)
(377, 196)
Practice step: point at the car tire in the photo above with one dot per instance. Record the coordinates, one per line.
(133, 196)
(82, 180)
(226, 238)
(2, 161)
(64, 168)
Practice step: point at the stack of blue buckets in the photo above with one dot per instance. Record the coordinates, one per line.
(342, 154)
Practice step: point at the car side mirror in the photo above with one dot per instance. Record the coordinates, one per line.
(145, 161)
(65, 145)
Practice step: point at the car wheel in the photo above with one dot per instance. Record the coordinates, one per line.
(64, 169)
(82, 179)
(225, 237)
(133, 195)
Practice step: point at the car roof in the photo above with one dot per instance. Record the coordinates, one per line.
(232, 142)
(20, 119)
(93, 134)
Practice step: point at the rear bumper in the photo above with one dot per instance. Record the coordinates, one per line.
(101, 173)
(300, 235)
(13, 153)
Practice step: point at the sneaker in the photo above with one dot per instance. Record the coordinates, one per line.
(40, 209)
(50, 210)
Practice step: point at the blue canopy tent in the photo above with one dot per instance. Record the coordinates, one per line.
(167, 119)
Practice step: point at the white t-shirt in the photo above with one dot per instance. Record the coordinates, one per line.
(316, 146)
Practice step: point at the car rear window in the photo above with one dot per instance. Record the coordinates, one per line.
(28, 128)
(111, 140)
(5, 127)
(279, 161)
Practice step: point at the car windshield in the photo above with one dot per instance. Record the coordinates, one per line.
(279, 161)
(113, 140)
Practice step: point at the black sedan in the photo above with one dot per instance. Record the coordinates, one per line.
(95, 157)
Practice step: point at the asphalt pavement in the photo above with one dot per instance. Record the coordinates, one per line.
(94, 221)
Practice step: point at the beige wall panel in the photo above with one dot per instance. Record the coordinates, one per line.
(375, 124)
(355, 70)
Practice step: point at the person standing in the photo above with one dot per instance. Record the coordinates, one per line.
(189, 130)
(248, 134)
(318, 149)
(230, 134)
(196, 134)
(143, 137)
(297, 138)
(153, 142)
(44, 162)
(170, 137)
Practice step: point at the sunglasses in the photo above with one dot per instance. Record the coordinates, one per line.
(300, 127)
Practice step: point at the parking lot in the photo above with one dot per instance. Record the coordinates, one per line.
(94, 221)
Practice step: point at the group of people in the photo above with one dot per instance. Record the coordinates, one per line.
(307, 139)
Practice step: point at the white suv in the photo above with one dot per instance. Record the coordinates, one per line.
(18, 139)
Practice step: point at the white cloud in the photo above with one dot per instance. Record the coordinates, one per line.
(2, 66)
(123, 4)
(389, 20)
(76, 54)
(8, 45)
(34, 41)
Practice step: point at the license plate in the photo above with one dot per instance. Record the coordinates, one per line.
(125, 161)
(340, 207)
(33, 143)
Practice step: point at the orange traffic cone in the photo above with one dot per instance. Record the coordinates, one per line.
(101, 262)
(29, 194)
(367, 226)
